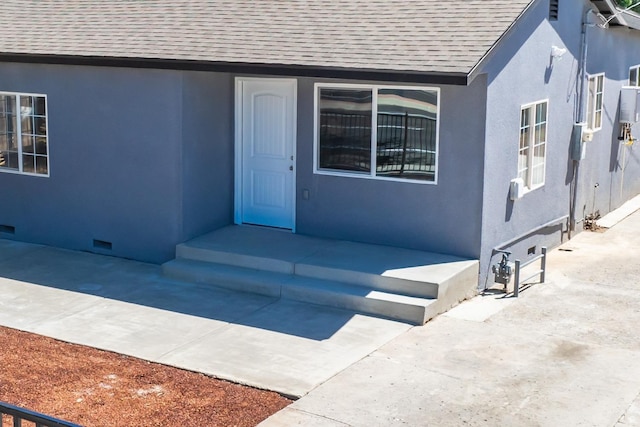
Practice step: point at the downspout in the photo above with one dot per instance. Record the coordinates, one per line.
(575, 163)
(583, 66)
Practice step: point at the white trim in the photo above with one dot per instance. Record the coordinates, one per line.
(316, 119)
(374, 126)
(237, 179)
(593, 111)
(18, 114)
(637, 82)
(19, 134)
(238, 146)
(294, 126)
(374, 99)
(528, 187)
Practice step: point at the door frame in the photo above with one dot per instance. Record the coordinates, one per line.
(239, 146)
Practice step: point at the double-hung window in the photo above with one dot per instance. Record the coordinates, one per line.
(379, 132)
(594, 102)
(634, 76)
(533, 144)
(24, 146)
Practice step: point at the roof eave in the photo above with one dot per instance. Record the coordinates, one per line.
(404, 76)
(478, 68)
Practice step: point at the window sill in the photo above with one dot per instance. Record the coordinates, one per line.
(374, 178)
(528, 190)
(15, 172)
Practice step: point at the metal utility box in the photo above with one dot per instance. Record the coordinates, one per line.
(578, 141)
(630, 104)
(516, 189)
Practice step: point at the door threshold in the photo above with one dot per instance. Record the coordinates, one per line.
(267, 227)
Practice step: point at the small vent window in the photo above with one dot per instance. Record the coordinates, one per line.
(553, 10)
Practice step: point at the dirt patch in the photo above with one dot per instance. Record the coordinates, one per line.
(99, 388)
(571, 351)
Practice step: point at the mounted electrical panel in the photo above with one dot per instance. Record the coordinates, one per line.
(630, 104)
(516, 189)
(578, 141)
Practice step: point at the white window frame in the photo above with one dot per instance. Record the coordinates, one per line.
(19, 135)
(636, 69)
(374, 103)
(592, 104)
(531, 144)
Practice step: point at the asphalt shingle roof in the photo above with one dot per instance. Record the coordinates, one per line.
(424, 36)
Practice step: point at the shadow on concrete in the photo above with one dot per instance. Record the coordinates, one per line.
(143, 284)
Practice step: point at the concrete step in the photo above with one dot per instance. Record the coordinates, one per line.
(267, 264)
(393, 282)
(358, 298)
(395, 270)
(196, 252)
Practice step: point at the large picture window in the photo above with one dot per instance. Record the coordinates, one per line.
(594, 102)
(533, 144)
(24, 144)
(377, 132)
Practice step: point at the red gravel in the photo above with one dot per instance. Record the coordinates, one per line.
(98, 388)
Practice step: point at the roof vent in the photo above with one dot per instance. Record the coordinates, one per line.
(553, 10)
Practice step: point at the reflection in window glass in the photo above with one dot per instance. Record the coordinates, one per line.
(594, 102)
(525, 138)
(406, 134)
(345, 130)
(533, 144)
(8, 129)
(379, 132)
(23, 133)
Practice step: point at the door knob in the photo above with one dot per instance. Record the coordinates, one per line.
(291, 167)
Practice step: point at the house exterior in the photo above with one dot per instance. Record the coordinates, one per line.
(129, 127)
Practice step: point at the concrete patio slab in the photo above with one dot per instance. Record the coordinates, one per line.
(564, 353)
(74, 271)
(482, 307)
(429, 376)
(287, 346)
(131, 329)
(617, 215)
(632, 416)
(26, 305)
(295, 417)
(131, 308)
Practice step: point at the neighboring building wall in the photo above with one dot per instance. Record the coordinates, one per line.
(611, 165)
(115, 137)
(521, 71)
(442, 218)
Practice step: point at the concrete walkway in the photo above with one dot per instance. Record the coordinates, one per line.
(566, 353)
(129, 307)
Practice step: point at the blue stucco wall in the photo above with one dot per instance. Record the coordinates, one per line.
(142, 159)
(114, 161)
(208, 152)
(443, 217)
(614, 167)
(520, 71)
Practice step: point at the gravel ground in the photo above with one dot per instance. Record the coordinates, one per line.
(98, 388)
